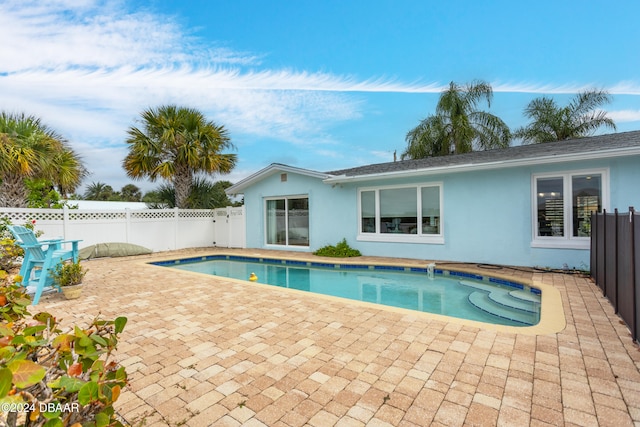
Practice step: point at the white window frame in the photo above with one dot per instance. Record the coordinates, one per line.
(568, 241)
(419, 237)
(286, 220)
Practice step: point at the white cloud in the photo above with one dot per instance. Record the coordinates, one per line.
(624, 115)
(89, 67)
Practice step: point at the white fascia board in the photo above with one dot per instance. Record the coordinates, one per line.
(240, 186)
(603, 154)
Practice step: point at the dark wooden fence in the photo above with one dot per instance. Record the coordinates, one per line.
(615, 263)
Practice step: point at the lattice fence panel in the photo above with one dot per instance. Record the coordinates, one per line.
(157, 229)
(23, 216)
(96, 216)
(153, 214)
(196, 214)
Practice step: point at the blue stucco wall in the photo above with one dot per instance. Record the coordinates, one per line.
(486, 214)
(326, 204)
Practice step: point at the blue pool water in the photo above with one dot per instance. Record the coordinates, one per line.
(449, 293)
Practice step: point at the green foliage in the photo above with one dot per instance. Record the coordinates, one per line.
(341, 250)
(458, 126)
(42, 194)
(30, 149)
(98, 191)
(51, 377)
(57, 378)
(68, 274)
(203, 195)
(130, 193)
(176, 144)
(551, 122)
(9, 253)
(9, 250)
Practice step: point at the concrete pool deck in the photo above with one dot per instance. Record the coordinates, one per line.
(204, 351)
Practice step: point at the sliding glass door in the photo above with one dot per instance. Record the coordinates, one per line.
(287, 221)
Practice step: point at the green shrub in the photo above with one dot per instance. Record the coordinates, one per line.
(49, 377)
(341, 250)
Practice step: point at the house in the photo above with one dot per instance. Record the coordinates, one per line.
(526, 205)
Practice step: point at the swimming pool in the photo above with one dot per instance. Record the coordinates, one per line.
(450, 293)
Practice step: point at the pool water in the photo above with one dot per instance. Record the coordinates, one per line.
(448, 293)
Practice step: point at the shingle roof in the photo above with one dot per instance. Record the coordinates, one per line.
(575, 147)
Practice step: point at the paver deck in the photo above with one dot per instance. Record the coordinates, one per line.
(203, 351)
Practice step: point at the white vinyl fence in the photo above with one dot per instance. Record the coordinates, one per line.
(155, 229)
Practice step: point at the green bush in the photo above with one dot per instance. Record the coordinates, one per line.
(49, 377)
(341, 250)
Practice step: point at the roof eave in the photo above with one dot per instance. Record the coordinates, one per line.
(470, 167)
(239, 187)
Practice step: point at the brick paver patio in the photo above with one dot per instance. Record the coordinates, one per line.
(205, 351)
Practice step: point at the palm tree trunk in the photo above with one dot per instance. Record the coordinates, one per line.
(13, 192)
(182, 180)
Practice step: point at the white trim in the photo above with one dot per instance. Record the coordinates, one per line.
(469, 167)
(400, 238)
(286, 221)
(239, 187)
(377, 236)
(575, 243)
(568, 241)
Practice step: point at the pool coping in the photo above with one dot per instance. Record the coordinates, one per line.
(552, 317)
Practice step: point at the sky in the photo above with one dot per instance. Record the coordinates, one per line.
(321, 85)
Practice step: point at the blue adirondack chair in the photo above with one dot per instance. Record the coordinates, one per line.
(41, 257)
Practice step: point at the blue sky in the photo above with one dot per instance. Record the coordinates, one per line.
(321, 85)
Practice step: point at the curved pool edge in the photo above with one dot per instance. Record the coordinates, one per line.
(552, 317)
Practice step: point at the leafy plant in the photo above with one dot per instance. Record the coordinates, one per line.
(9, 253)
(54, 379)
(341, 250)
(68, 274)
(51, 378)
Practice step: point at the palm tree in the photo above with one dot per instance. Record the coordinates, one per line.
(551, 122)
(204, 195)
(98, 191)
(458, 127)
(29, 149)
(174, 144)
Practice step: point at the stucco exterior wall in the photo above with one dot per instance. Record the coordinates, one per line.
(486, 215)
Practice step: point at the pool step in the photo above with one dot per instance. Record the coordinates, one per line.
(505, 298)
(503, 303)
(525, 295)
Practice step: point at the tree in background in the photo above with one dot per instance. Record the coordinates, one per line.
(98, 191)
(42, 194)
(130, 193)
(458, 126)
(204, 195)
(29, 149)
(580, 118)
(176, 143)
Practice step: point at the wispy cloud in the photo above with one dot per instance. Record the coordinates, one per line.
(625, 88)
(625, 115)
(89, 67)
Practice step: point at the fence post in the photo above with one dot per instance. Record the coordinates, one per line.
(634, 284)
(127, 224)
(615, 257)
(604, 253)
(593, 252)
(176, 218)
(65, 221)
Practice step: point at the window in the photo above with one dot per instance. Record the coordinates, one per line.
(563, 204)
(287, 221)
(401, 214)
